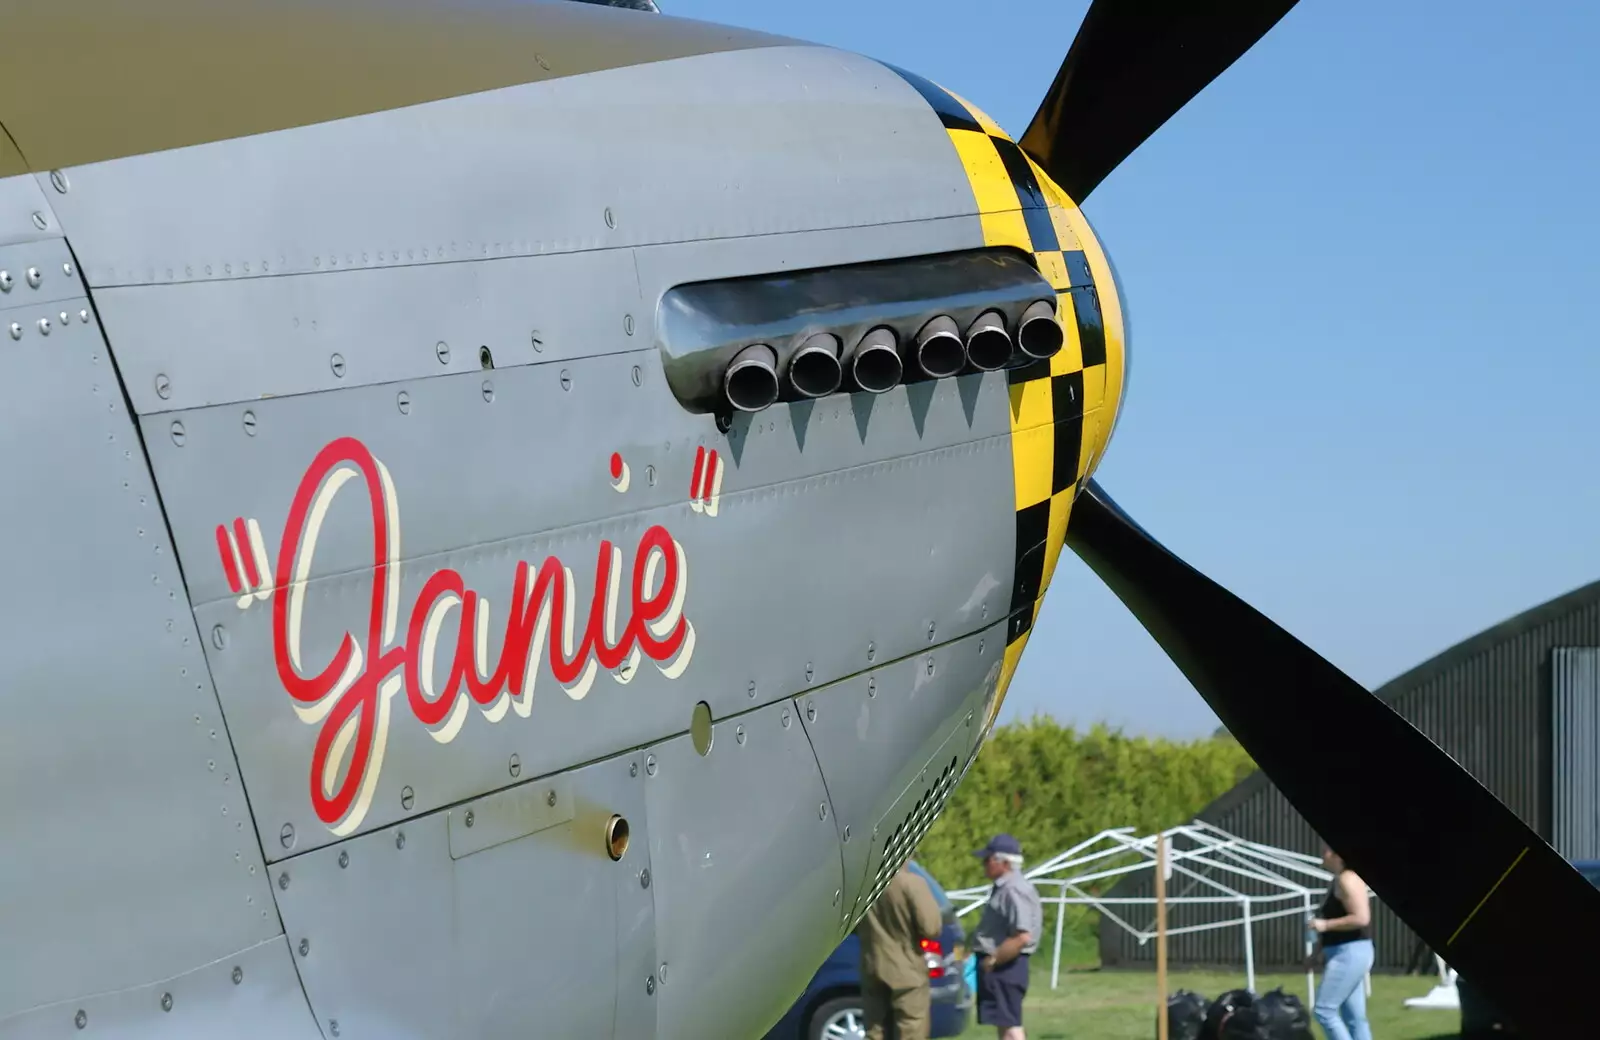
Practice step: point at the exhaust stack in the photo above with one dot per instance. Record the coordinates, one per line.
(751, 381)
(988, 343)
(814, 371)
(1038, 333)
(875, 365)
(939, 351)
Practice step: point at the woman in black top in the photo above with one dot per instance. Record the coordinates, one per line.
(1345, 923)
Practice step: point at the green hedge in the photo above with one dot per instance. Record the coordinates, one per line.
(1053, 787)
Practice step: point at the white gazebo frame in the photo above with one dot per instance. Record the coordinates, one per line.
(1195, 850)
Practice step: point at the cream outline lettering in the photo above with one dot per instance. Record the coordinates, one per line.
(351, 696)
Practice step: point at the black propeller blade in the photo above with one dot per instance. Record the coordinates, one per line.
(1133, 65)
(1481, 888)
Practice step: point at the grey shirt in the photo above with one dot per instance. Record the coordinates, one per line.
(1013, 907)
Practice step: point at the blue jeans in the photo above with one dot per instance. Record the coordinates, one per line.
(1342, 998)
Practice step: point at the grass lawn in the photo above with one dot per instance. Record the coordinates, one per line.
(1121, 1005)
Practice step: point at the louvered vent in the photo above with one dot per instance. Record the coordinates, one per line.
(903, 840)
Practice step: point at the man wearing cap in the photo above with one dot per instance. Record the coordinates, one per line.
(1007, 934)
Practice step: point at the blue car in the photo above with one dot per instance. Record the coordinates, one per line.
(830, 1008)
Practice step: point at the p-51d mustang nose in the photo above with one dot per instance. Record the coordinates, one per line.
(555, 444)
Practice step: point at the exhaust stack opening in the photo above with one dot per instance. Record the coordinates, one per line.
(814, 371)
(1038, 333)
(751, 382)
(875, 365)
(988, 343)
(940, 352)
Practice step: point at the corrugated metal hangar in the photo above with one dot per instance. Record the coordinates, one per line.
(1517, 705)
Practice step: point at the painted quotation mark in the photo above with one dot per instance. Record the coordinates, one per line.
(244, 561)
(705, 487)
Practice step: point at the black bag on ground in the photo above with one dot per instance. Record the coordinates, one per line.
(1186, 1016)
(1233, 1016)
(1284, 1015)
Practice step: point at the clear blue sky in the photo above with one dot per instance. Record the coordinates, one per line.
(1364, 279)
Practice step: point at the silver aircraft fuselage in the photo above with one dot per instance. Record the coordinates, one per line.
(406, 639)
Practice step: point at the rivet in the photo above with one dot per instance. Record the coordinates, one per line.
(611, 221)
(633, 769)
(847, 833)
(485, 358)
(305, 947)
(219, 637)
(538, 342)
(286, 836)
(441, 350)
(650, 764)
(6, 281)
(836, 895)
(65, 318)
(516, 766)
(539, 60)
(403, 401)
(178, 434)
(333, 1026)
(644, 878)
(166, 1002)
(344, 860)
(650, 984)
(930, 629)
(470, 817)
(627, 324)
(872, 687)
(786, 718)
(661, 972)
(930, 665)
(488, 391)
(34, 278)
(872, 651)
(16, 331)
(283, 881)
(738, 734)
(980, 646)
(83, 316)
(983, 611)
(81, 1019)
(39, 220)
(337, 364)
(66, 269)
(808, 671)
(638, 376)
(566, 379)
(969, 718)
(407, 797)
(238, 975)
(44, 326)
(58, 179)
(822, 811)
(550, 799)
(650, 475)
(811, 712)
(250, 422)
(752, 689)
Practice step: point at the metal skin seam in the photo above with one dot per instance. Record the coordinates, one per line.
(1062, 410)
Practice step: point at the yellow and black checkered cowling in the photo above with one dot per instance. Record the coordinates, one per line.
(1062, 410)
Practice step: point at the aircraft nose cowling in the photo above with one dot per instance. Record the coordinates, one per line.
(1064, 406)
(475, 576)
